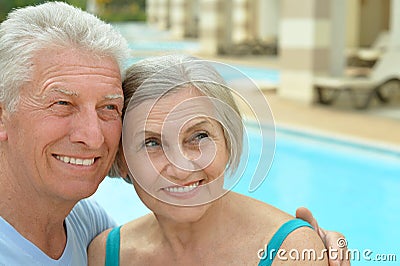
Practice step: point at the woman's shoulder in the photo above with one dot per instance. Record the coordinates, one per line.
(138, 227)
(131, 236)
(136, 234)
(255, 218)
(267, 220)
(97, 249)
(260, 212)
(138, 240)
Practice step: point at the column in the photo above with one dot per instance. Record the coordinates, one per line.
(240, 21)
(394, 27)
(338, 58)
(151, 11)
(184, 18)
(192, 23)
(178, 18)
(163, 8)
(267, 19)
(304, 42)
(214, 25)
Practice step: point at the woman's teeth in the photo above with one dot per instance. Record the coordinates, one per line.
(182, 189)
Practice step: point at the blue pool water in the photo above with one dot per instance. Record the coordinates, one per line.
(350, 187)
(145, 41)
(268, 75)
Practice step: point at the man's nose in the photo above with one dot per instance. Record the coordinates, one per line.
(87, 129)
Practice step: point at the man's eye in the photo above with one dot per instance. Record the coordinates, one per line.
(111, 107)
(62, 103)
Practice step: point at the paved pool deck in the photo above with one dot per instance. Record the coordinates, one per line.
(365, 126)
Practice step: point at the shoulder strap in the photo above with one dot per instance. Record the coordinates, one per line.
(112, 247)
(278, 238)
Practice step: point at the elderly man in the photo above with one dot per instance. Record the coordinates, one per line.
(60, 126)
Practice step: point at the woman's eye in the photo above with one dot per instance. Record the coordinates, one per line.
(198, 137)
(201, 136)
(151, 143)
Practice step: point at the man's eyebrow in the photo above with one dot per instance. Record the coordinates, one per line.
(113, 96)
(73, 93)
(64, 91)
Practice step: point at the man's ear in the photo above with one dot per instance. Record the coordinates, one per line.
(3, 131)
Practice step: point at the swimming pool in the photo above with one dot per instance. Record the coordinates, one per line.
(258, 74)
(350, 186)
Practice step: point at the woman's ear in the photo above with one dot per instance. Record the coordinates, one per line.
(3, 131)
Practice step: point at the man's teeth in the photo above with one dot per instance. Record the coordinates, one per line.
(76, 161)
(182, 189)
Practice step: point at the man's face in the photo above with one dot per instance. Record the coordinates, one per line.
(62, 139)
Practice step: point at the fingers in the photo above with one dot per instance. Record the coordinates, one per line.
(333, 241)
(337, 242)
(306, 215)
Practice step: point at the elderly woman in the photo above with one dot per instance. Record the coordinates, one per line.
(182, 137)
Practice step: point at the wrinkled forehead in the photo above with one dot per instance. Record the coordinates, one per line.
(184, 102)
(175, 108)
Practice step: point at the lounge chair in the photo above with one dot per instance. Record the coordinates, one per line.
(368, 56)
(382, 82)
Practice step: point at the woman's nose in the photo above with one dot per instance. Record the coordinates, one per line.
(178, 165)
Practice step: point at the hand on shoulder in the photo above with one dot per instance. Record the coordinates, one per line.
(331, 239)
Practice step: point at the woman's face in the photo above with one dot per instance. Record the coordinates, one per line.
(175, 149)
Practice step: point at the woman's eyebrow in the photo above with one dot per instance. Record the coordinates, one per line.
(147, 132)
(203, 122)
(192, 127)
